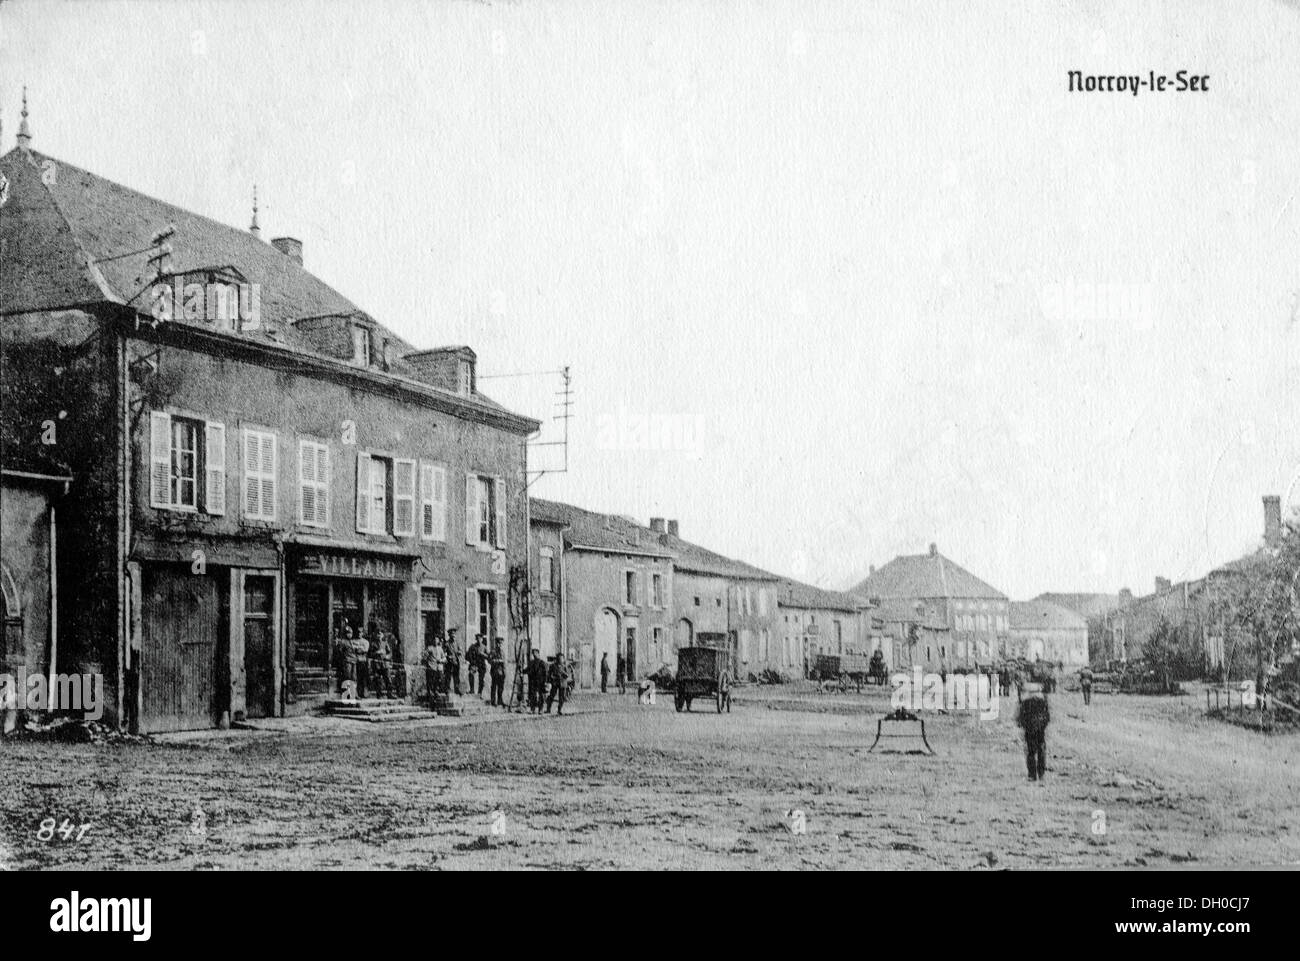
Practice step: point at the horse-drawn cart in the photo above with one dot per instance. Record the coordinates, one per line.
(704, 672)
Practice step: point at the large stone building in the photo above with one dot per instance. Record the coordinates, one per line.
(256, 461)
(937, 613)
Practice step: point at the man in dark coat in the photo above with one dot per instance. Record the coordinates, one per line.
(604, 673)
(451, 675)
(497, 672)
(558, 676)
(1033, 716)
(536, 681)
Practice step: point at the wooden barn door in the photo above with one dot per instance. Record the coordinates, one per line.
(182, 642)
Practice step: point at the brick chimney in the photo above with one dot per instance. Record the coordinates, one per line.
(657, 525)
(1163, 584)
(672, 528)
(934, 549)
(1272, 518)
(291, 247)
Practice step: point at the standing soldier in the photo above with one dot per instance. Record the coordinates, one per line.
(604, 673)
(620, 677)
(1085, 682)
(378, 655)
(345, 657)
(536, 681)
(434, 661)
(361, 646)
(452, 677)
(558, 675)
(497, 669)
(1033, 716)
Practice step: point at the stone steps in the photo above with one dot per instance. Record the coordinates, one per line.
(376, 710)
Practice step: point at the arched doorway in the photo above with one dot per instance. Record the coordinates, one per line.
(606, 643)
(683, 634)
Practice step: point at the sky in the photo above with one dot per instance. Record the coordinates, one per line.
(834, 281)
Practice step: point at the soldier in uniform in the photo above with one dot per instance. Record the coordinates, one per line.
(558, 675)
(452, 676)
(435, 659)
(345, 657)
(1085, 682)
(536, 681)
(378, 655)
(497, 670)
(620, 675)
(604, 673)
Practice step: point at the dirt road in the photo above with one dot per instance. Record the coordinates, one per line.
(785, 781)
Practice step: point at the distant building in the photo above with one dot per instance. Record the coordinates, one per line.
(1043, 631)
(936, 612)
(718, 601)
(817, 621)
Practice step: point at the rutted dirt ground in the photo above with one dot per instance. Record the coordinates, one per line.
(621, 785)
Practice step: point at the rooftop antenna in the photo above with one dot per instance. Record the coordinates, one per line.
(564, 406)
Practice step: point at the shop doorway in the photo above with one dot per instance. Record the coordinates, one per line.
(259, 639)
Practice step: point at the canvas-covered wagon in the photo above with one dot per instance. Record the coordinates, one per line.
(842, 669)
(704, 672)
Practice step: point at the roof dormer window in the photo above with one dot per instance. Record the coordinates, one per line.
(360, 346)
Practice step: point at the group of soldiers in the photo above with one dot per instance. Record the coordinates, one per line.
(365, 661)
(442, 660)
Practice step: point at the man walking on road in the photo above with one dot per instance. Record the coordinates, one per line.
(1085, 682)
(1033, 716)
(536, 682)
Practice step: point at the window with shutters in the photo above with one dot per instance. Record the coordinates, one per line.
(485, 511)
(433, 502)
(487, 615)
(313, 484)
(187, 463)
(546, 570)
(260, 457)
(375, 502)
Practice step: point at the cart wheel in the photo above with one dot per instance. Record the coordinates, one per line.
(724, 692)
(680, 702)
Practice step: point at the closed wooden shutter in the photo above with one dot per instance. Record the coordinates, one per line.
(214, 480)
(160, 459)
(363, 493)
(499, 494)
(404, 497)
(471, 616)
(471, 509)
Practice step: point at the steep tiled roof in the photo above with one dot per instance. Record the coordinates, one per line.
(1089, 605)
(792, 593)
(1044, 615)
(700, 560)
(924, 575)
(60, 224)
(602, 532)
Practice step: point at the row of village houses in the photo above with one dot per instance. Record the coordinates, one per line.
(195, 504)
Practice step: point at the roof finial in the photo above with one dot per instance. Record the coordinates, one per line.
(24, 132)
(253, 229)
